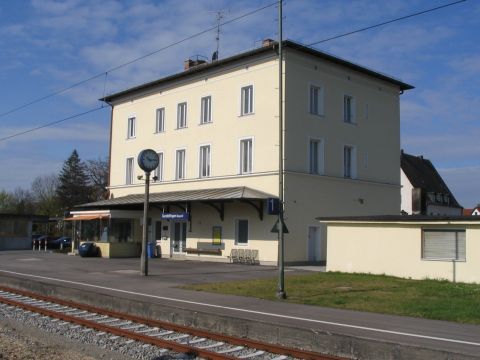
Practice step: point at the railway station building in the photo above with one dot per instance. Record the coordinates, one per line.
(215, 127)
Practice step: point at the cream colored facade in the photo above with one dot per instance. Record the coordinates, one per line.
(395, 248)
(373, 136)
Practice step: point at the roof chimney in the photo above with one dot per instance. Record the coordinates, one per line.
(267, 42)
(190, 63)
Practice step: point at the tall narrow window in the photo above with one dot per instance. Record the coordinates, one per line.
(129, 171)
(316, 157)
(204, 163)
(241, 231)
(246, 156)
(316, 100)
(247, 100)
(131, 128)
(349, 165)
(182, 115)
(160, 120)
(158, 173)
(348, 109)
(206, 109)
(180, 165)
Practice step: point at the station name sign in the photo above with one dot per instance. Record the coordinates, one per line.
(174, 216)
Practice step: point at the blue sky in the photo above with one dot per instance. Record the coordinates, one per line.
(49, 45)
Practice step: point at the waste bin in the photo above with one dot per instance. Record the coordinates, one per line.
(88, 249)
(151, 249)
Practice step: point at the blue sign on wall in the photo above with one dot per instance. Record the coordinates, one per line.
(174, 216)
(273, 206)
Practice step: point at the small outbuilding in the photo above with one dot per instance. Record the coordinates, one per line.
(16, 230)
(416, 246)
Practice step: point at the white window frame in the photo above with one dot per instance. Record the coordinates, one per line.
(320, 156)
(182, 120)
(206, 114)
(131, 127)
(158, 172)
(201, 164)
(349, 109)
(241, 156)
(247, 108)
(320, 110)
(444, 249)
(129, 170)
(160, 120)
(183, 169)
(350, 172)
(237, 228)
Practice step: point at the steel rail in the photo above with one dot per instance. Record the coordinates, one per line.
(272, 348)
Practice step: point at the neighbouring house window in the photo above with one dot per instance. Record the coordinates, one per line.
(129, 171)
(241, 231)
(158, 172)
(348, 109)
(316, 100)
(182, 115)
(131, 128)
(160, 120)
(443, 245)
(316, 157)
(247, 100)
(206, 110)
(180, 165)
(246, 156)
(349, 162)
(204, 163)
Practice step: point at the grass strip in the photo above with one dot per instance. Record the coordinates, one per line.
(430, 299)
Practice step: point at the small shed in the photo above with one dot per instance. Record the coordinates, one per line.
(16, 230)
(416, 246)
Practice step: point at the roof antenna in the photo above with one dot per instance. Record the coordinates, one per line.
(220, 16)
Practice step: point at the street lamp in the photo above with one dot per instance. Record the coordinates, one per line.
(148, 161)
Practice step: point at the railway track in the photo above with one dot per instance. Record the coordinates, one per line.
(194, 343)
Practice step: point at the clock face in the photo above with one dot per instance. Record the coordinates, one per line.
(148, 160)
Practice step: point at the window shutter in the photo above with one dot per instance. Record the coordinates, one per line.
(448, 245)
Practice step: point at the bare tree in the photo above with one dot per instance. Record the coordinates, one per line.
(44, 190)
(98, 173)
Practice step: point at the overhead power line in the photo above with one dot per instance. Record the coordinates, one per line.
(50, 124)
(190, 37)
(129, 62)
(386, 22)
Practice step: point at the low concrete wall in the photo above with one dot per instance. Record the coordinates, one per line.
(15, 243)
(309, 339)
(119, 250)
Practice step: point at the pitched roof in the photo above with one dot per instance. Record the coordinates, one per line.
(422, 174)
(252, 53)
(219, 194)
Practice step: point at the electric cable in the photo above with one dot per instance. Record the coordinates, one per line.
(189, 38)
(386, 22)
(50, 124)
(129, 62)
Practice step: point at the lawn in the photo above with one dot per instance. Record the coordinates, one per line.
(431, 299)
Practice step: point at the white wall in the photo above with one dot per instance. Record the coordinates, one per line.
(396, 249)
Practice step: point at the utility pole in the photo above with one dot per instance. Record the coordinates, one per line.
(281, 294)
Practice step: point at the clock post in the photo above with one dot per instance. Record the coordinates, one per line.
(144, 257)
(148, 161)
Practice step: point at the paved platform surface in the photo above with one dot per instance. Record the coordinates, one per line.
(119, 279)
